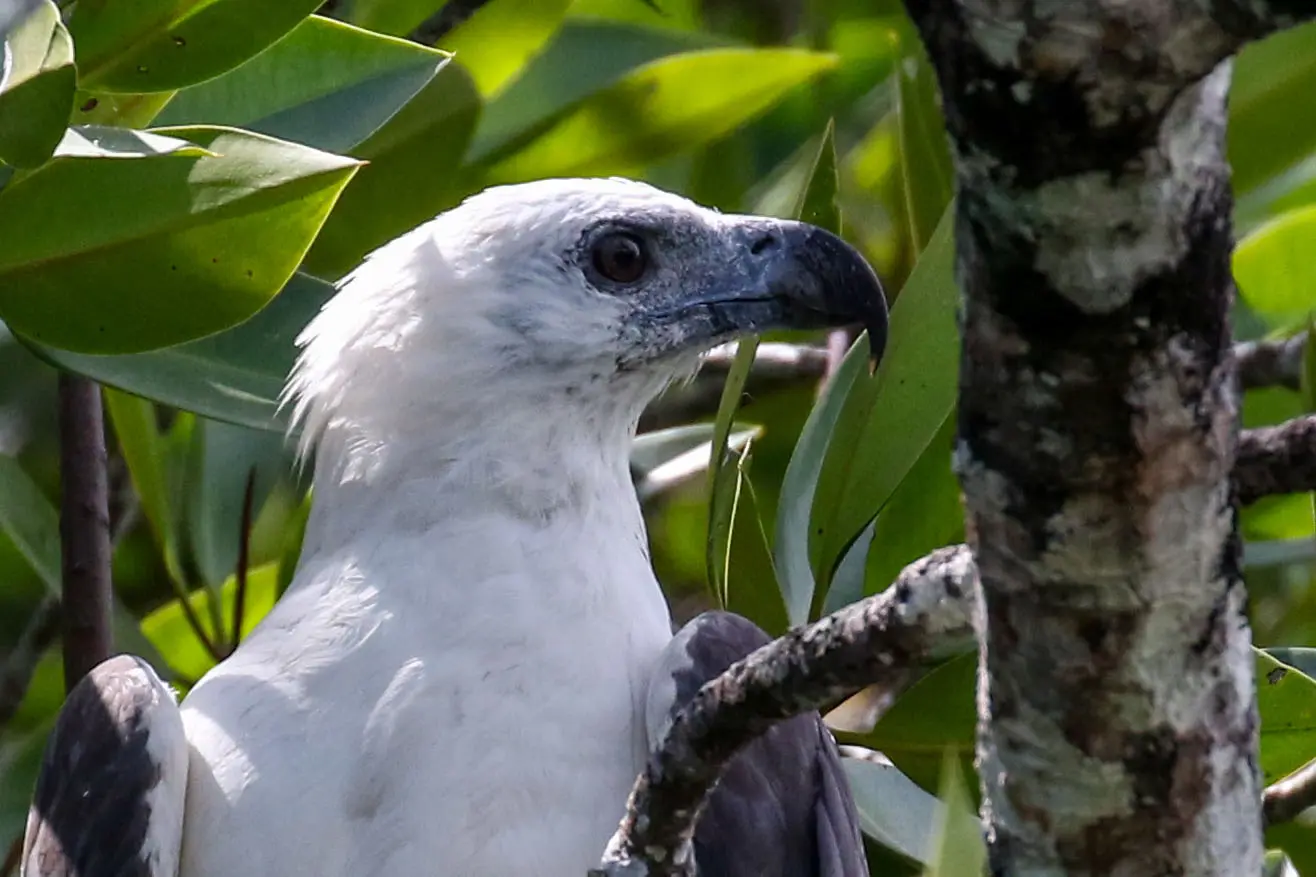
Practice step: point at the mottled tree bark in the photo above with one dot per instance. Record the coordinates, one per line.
(1098, 422)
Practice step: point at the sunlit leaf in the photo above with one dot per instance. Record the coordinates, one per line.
(158, 45)
(584, 58)
(120, 238)
(497, 42)
(168, 629)
(664, 108)
(1286, 702)
(327, 85)
(397, 17)
(1274, 269)
(37, 81)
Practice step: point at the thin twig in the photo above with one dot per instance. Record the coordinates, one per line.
(882, 639)
(84, 526)
(16, 674)
(1272, 363)
(1283, 801)
(244, 559)
(1275, 460)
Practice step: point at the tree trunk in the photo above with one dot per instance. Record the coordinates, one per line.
(1098, 421)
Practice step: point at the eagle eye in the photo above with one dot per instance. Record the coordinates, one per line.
(620, 256)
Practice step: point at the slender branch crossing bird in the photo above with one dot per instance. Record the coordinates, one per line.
(474, 657)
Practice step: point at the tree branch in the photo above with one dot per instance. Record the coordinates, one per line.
(1283, 801)
(879, 640)
(1276, 459)
(776, 366)
(1271, 363)
(84, 527)
(1246, 20)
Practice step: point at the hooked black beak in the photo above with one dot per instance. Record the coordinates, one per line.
(781, 274)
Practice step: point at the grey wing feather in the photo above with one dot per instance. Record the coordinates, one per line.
(109, 797)
(783, 807)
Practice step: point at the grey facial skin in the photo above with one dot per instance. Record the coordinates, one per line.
(753, 275)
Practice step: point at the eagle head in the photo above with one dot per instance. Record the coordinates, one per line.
(591, 295)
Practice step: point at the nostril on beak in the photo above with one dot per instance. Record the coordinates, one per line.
(767, 242)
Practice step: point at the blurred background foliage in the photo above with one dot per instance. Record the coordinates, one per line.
(181, 183)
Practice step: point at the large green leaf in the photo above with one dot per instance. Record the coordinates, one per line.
(497, 42)
(959, 850)
(585, 57)
(37, 81)
(143, 250)
(235, 376)
(159, 45)
(664, 108)
(1286, 702)
(893, 810)
(934, 718)
(923, 514)
(889, 419)
(327, 84)
(411, 174)
(924, 154)
(1274, 269)
(1272, 106)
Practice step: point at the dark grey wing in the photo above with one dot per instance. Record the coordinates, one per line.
(109, 798)
(783, 807)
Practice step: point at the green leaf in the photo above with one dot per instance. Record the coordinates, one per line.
(159, 45)
(398, 17)
(120, 237)
(497, 42)
(724, 470)
(1286, 702)
(1273, 267)
(410, 177)
(889, 419)
(20, 762)
(893, 810)
(1272, 106)
(959, 850)
(816, 203)
(144, 452)
(791, 547)
(221, 457)
(586, 57)
(32, 524)
(37, 81)
(664, 108)
(1298, 841)
(924, 154)
(168, 629)
(922, 515)
(326, 84)
(936, 716)
(1303, 659)
(235, 376)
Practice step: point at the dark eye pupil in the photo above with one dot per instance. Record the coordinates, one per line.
(620, 258)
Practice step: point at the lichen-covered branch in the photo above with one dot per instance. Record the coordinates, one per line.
(1276, 459)
(1271, 363)
(1098, 421)
(881, 640)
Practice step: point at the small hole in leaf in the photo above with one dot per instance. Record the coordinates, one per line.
(90, 105)
(179, 41)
